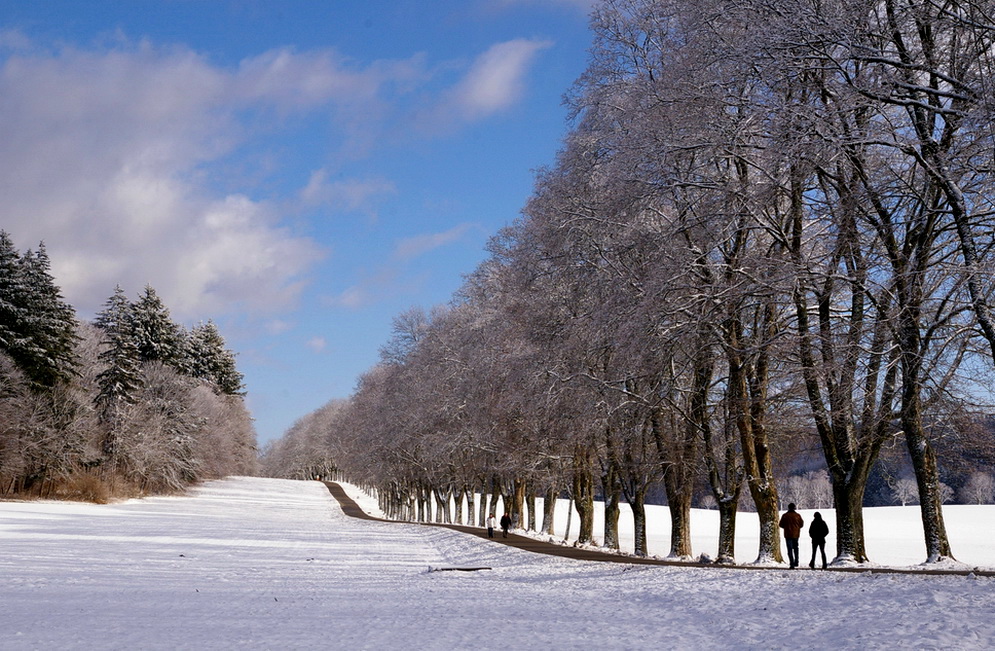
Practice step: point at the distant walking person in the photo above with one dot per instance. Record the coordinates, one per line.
(491, 522)
(792, 524)
(818, 531)
(505, 524)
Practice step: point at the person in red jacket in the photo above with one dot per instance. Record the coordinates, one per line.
(792, 524)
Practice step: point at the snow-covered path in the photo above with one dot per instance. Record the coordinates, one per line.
(272, 564)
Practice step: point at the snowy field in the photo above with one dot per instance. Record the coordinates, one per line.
(250, 563)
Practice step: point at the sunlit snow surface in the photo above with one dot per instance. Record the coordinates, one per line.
(271, 564)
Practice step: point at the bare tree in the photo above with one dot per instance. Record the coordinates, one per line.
(905, 491)
(979, 489)
(762, 205)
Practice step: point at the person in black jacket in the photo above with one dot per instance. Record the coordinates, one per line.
(818, 531)
(505, 524)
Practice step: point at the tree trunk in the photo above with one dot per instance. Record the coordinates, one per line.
(570, 515)
(518, 510)
(748, 404)
(676, 453)
(493, 496)
(727, 530)
(470, 504)
(725, 473)
(549, 511)
(765, 498)
(532, 500)
(612, 492)
(508, 501)
(443, 505)
(638, 505)
(928, 480)
(848, 500)
(679, 492)
(483, 510)
(458, 496)
(583, 490)
(424, 504)
(909, 290)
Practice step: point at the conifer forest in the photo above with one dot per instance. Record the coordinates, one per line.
(129, 404)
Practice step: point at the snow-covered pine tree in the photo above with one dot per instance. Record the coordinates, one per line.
(54, 325)
(12, 313)
(210, 360)
(156, 336)
(37, 327)
(120, 381)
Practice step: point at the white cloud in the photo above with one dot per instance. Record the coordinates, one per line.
(290, 80)
(492, 83)
(394, 277)
(584, 5)
(419, 245)
(13, 39)
(317, 344)
(277, 326)
(112, 158)
(129, 163)
(362, 294)
(495, 81)
(352, 195)
(359, 97)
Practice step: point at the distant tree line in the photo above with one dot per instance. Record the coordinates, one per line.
(769, 229)
(131, 403)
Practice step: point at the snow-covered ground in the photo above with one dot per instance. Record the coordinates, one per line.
(272, 564)
(894, 536)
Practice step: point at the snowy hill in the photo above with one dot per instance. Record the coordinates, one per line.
(266, 564)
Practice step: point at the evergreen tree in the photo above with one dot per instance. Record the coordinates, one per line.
(183, 361)
(210, 360)
(156, 336)
(12, 314)
(54, 323)
(121, 380)
(37, 327)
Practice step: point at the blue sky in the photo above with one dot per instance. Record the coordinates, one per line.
(299, 171)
